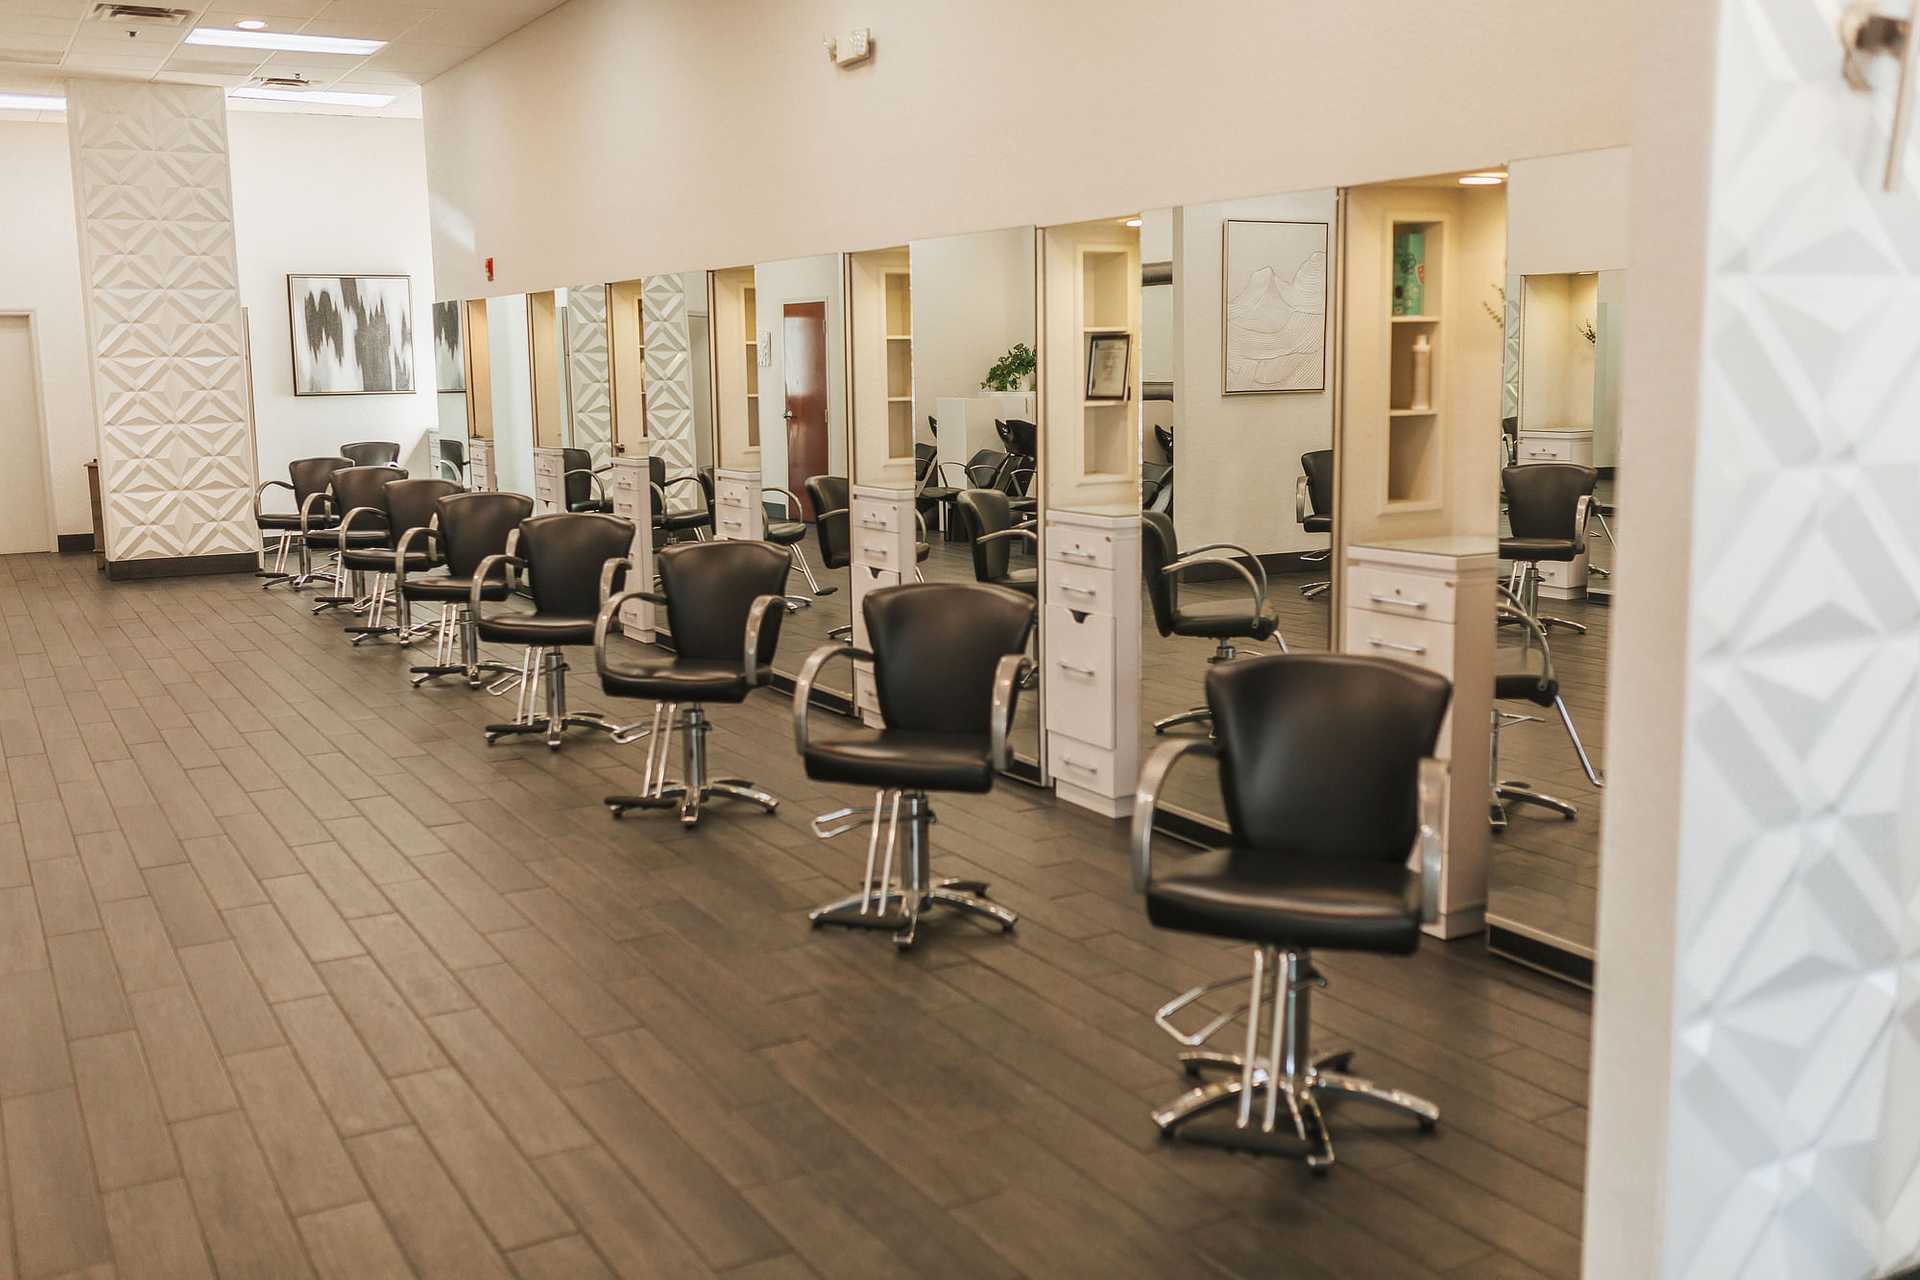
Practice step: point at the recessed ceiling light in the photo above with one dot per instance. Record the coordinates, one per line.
(316, 97)
(1133, 222)
(31, 102)
(285, 41)
(1489, 178)
(251, 24)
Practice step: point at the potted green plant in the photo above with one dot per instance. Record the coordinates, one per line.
(1012, 371)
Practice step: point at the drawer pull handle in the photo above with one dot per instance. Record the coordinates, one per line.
(1081, 765)
(1402, 601)
(874, 524)
(1378, 643)
(1088, 672)
(1078, 591)
(734, 524)
(1087, 556)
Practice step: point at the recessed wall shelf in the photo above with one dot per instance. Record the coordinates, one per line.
(897, 289)
(1416, 383)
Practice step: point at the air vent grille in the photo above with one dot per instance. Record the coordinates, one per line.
(150, 15)
(283, 82)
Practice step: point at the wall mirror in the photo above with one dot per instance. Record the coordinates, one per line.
(450, 374)
(511, 402)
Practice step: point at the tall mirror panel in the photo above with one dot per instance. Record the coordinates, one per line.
(450, 375)
(510, 363)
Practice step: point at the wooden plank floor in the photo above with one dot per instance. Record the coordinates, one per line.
(301, 978)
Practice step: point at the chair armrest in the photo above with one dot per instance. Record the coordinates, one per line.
(1301, 500)
(1581, 510)
(480, 573)
(1007, 676)
(263, 487)
(346, 521)
(756, 622)
(966, 475)
(920, 524)
(1239, 552)
(432, 532)
(604, 623)
(659, 501)
(1194, 561)
(844, 513)
(622, 565)
(1146, 798)
(599, 486)
(1024, 485)
(803, 687)
(1430, 846)
(1022, 531)
(306, 509)
(794, 505)
(452, 470)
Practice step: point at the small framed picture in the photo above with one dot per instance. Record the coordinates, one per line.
(1107, 355)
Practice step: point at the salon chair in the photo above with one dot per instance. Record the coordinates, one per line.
(675, 526)
(1016, 476)
(948, 661)
(472, 527)
(987, 517)
(574, 562)
(308, 480)
(723, 602)
(932, 500)
(1313, 509)
(581, 483)
(791, 533)
(358, 492)
(1547, 506)
(1163, 566)
(981, 471)
(1542, 688)
(372, 453)
(1603, 512)
(453, 459)
(1165, 436)
(1156, 487)
(1330, 793)
(830, 498)
(407, 507)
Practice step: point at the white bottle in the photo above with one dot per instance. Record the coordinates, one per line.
(1422, 374)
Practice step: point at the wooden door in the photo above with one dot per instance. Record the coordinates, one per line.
(804, 343)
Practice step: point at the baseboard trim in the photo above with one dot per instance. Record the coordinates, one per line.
(68, 543)
(1535, 951)
(181, 566)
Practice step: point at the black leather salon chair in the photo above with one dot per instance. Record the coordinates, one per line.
(1156, 487)
(676, 526)
(791, 532)
(987, 517)
(830, 499)
(581, 483)
(932, 499)
(1165, 437)
(725, 602)
(1330, 793)
(1541, 687)
(1016, 478)
(453, 460)
(1313, 509)
(1547, 507)
(1239, 619)
(407, 506)
(372, 453)
(948, 660)
(470, 528)
(981, 471)
(358, 492)
(309, 481)
(574, 562)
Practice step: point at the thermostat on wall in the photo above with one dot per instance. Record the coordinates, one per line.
(858, 48)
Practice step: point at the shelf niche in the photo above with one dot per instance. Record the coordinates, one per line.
(1415, 301)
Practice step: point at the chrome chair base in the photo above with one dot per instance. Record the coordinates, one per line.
(1313, 590)
(870, 910)
(690, 792)
(457, 652)
(1520, 793)
(1286, 1076)
(1524, 582)
(896, 905)
(548, 667)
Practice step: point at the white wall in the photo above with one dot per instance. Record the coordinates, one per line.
(1570, 212)
(775, 284)
(511, 365)
(972, 299)
(1236, 457)
(988, 114)
(330, 195)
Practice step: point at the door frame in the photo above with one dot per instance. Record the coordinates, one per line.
(826, 362)
(35, 365)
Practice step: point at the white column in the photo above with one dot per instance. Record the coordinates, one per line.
(633, 500)
(885, 539)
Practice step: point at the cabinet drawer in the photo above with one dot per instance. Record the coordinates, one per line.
(1080, 587)
(866, 695)
(1079, 675)
(1414, 595)
(1088, 547)
(1545, 449)
(876, 548)
(876, 516)
(1418, 641)
(733, 493)
(864, 580)
(1080, 763)
(732, 523)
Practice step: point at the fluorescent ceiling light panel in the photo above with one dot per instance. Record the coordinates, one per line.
(31, 102)
(316, 97)
(283, 41)
(1491, 178)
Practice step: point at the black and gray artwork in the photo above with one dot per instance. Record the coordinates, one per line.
(449, 359)
(352, 335)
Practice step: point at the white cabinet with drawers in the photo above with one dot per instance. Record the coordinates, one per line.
(549, 482)
(1559, 580)
(627, 488)
(884, 541)
(737, 509)
(480, 465)
(1429, 602)
(1091, 657)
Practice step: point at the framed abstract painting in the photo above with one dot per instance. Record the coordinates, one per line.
(352, 335)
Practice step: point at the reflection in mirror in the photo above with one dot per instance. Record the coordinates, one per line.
(450, 381)
(1237, 448)
(587, 447)
(510, 362)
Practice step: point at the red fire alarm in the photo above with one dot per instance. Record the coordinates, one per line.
(489, 269)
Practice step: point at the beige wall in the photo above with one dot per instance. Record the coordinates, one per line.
(970, 116)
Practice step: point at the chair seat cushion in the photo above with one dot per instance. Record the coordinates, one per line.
(1222, 622)
(1023, 504)
(898, 758)
(361, 536)
(939, 493)
(1027, 580)
(287, 520)
(1525, 686)
(380, 559)
(441, 588)
(1538, 549)
(1268, 896)
(670, 679)
(921, 551)
(1317, 524)
(597, 506)
(681, 520)
(536, 629)
(785, 533)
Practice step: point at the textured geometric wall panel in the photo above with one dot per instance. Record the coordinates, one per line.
(1510, 349)
(670, 422)
(163, 309)
(589, 391)
(1795, 1139)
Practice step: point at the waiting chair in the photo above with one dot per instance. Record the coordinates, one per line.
(308, 480)
(409, 507)
(1330, 792)
(372, 453)
(1547, 507)
(948, 660)
(722, 601)
(574, 563)
(471, 528)
(1163, 566)
(988, 518)
(580, 482)
(359, 496)
(1542, 688)
(831, 500)
(1313, 509)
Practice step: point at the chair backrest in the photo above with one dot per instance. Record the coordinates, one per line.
(1318, 466)
(1541, 497)
(579, 487)
(474, 526)
(935, 647)
(657, 470)
(705, 478)
(1154, 477)
(412, 504)
(830, 496)
(710, 588)
(565, 553)
(1320, 753)
(923, 459)
(1159, 547)
(984, 511)
(1023, 436)
(1165, 436)
(454, 451)
(984, 468)
(371, 453)
(312, 475)
(364, 486)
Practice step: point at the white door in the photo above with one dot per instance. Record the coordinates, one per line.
(23, 480)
